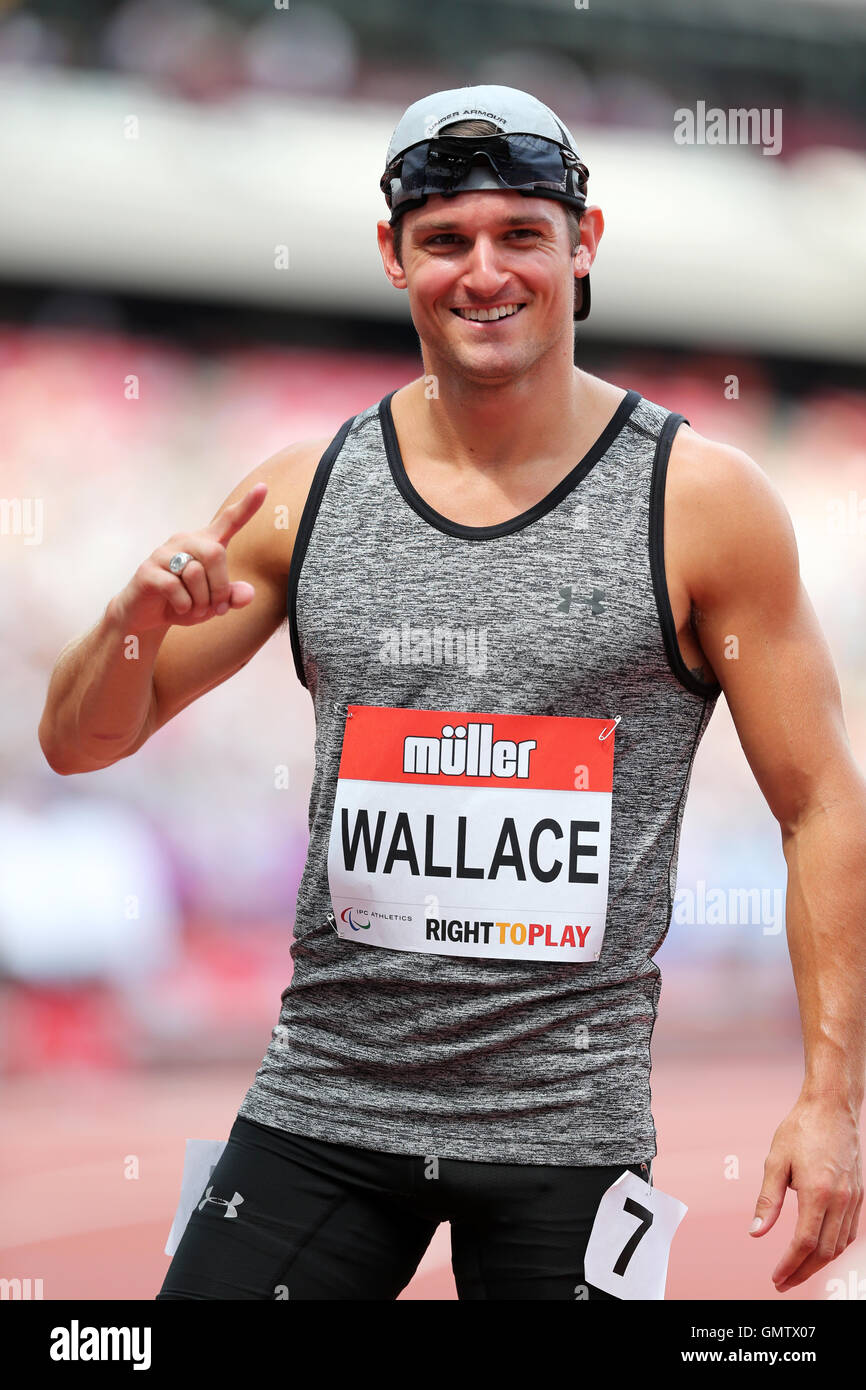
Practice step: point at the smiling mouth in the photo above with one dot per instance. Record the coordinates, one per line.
(493, 315)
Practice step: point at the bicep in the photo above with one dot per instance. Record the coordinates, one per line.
(762, 635)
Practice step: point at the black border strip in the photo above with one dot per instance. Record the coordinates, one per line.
(517, 523)
(707, 689)
(302, 539)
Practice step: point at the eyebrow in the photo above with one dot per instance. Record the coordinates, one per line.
(512, 220)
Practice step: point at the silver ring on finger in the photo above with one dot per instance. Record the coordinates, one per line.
(179, 561)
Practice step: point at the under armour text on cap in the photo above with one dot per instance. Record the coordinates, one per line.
(532, 153)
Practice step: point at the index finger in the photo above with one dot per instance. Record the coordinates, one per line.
(237, 514)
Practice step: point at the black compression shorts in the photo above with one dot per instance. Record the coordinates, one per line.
(332, 1221)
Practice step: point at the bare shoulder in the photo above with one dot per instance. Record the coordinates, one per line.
(293, 470)
(731, 521)
(699, 465)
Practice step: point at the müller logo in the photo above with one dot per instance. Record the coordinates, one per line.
(469, 750)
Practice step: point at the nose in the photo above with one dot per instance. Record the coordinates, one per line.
(483, 275)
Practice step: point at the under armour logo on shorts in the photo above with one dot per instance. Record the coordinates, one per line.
(231, 1207)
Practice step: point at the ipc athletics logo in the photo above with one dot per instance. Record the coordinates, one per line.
(346, 916)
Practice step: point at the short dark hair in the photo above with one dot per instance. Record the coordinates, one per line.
(478, 127)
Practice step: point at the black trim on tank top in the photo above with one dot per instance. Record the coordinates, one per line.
(516, 523)
(708, 689)
(302, 539)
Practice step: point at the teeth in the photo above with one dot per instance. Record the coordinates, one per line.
(486, 315)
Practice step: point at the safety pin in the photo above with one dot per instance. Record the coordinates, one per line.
(610, 731)
(342, 709)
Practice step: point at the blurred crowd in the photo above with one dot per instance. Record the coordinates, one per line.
(635, 63)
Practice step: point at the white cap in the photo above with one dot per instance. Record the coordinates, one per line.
(514, 113)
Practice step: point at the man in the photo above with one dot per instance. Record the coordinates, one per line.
(515, 592)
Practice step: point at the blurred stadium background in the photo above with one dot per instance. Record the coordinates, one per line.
(152, 157)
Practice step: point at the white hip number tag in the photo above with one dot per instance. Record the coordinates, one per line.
(200, 1159)
(628, 1248)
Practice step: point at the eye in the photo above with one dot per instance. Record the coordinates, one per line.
(445, 238)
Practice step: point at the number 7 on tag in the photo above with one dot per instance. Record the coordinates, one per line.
(628, 1247)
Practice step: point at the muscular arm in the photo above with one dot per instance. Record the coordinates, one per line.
(102, 706)
(759, 631)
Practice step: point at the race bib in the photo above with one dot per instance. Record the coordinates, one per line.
(629, 1244)
(473, 834)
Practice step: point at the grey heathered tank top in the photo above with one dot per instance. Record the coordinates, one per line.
(561, 611)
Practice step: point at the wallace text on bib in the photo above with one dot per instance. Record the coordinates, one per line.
(473, 834)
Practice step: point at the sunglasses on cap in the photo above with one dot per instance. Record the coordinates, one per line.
(520, 161)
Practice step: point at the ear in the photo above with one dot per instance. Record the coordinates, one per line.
(591, 230)
(393, 268)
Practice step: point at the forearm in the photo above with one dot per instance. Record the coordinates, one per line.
(99, 696)
(826, 927)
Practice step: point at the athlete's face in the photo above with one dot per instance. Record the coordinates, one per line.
(486, 250)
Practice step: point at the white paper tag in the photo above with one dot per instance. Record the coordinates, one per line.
(630, 1240)
(200, 1159)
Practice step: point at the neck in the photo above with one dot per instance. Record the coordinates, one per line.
(483, 423)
